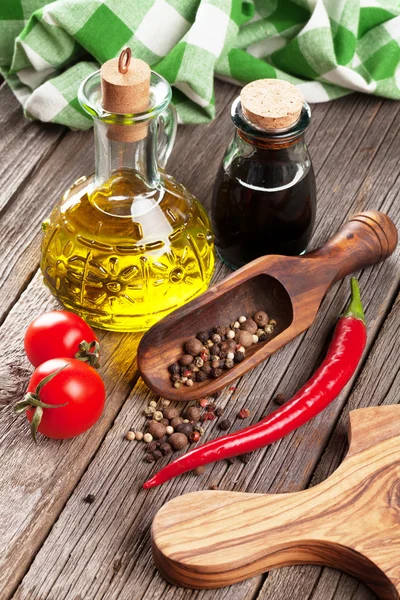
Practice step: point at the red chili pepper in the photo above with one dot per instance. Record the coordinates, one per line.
(340, 363)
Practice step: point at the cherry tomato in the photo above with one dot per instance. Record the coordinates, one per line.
(78, 386)
(56, 334)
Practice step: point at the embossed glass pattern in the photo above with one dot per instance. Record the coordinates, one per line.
(129, 244)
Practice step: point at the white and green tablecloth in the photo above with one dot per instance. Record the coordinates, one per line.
(326, 47)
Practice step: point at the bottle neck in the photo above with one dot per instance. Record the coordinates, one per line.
(135, 159)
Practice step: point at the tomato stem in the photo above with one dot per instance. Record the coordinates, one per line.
(90, 353)
(32, 401)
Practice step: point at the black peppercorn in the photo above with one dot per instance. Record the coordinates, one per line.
(280, 399)
(239, 356)
(151, 446)
(216, 394)
(211, 406)
(175, 377)
(201, 376)
(224, 424)
(215, 338)
(216, 350)
(206, 368)
(90, 498)
(262, 337)
(223, 354)
(216, 372)
(165, 448)
(220, 330)
(185, 428)
(157, 454)
(202, 336)
(174, 368)
(150, 458)
(245, 458)
(219, 411)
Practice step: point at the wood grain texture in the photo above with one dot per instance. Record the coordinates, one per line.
(350, 521)
(24, 145)
(102, 551)
(290, 289)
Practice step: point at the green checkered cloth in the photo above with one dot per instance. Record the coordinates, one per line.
(326, 47)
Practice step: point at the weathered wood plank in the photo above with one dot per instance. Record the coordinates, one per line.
(23, 145)
(114, 534)
(378, 384)
(108, 556)
(40, 488)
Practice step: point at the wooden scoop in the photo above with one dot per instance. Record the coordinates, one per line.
(288, 288)
(351, 521)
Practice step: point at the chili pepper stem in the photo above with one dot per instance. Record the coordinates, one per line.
(355, 308)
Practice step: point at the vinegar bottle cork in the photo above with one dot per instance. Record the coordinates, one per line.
(271, 103)
(125, 89)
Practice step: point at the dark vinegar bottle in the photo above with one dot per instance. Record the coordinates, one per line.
(264, 196)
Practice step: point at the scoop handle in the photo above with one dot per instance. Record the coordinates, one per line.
(368, 238)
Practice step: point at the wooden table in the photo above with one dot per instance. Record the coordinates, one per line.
(56, 546)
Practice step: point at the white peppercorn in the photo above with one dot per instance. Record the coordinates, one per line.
(165, 402)
(230, 356)
(255, 339)
(158, 415)
(272, 322)
(138, 435)
(189, 382)
(149, 411)
(242, 319)
(147, 438)
(130, 435)
(153, 403)
(169, 430)
(230, 334)
(268, 329)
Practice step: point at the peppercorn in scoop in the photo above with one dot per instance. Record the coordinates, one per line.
(211, 352)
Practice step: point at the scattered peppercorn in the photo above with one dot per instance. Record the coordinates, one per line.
(178, 441)
(244, 413)
(151, 446)
(211, 406)
(185, 428)
(216, 395)
(157, 454)
(147, 438)
(192, 413)
(224, 424)
(170, 413)
(150, 458)
(195, 436)
(219, 411)
(213, 486)
(149, 411)
(130, 435)
(245, 458)
(158, 415)
(203, 402)
(157, 430)
(165, 448)
(280, 399)
(199, 470)
(90, 498)
(176, 421)
(138, 435)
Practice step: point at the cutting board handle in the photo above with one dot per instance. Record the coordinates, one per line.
(368, 238)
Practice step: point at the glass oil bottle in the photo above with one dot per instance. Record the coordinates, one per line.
(129, 244)
(264, 198)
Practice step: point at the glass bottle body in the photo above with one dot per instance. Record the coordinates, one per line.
(264, 198)
(129, 244)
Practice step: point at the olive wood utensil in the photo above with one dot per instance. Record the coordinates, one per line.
(212, 539)
(289, 288)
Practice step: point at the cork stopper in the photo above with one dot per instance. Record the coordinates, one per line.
(125, 89)
(271, 103)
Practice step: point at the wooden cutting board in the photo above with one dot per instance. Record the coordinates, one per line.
(351, 521)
